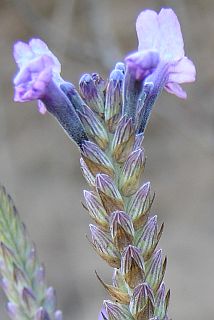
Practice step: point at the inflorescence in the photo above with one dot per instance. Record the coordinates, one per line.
(107, 120)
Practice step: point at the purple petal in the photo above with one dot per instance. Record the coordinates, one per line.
(176, 89)
(22, 53)
(40, 48)
(41, 107)
(171, 45)
(148, 30)
(183, 71)
(142, 63)
(160, 32)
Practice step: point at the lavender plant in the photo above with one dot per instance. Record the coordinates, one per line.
(107, 120)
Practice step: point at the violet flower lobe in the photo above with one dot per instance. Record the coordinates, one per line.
(38, 66)
(161, 33)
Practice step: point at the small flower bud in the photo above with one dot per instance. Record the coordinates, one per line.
(42, 314)
(109, 194)
(132, 266)
(14, 311)
(99, 83)
(58, 315)
(142, 302)
(123, 140)
(91, 92)
(93, 127)
(139, 205)
(39, 283)
(7, 255)
(29, 300)
(113, 105)
(115, 311)
(131, 173)
(31, 259)
(5, 284)
(122, 230)
(50, 300)
(161, 302)
(147, 238)
(87, 173)
(156, 271)
(104, 247)
(96, 160)
(96, 210)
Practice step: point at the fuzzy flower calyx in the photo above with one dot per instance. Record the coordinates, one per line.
(39, 79)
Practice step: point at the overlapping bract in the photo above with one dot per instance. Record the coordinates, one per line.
(124, 235)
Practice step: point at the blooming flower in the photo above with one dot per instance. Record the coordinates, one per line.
(161, 48)
(39, 79)
(38, 67)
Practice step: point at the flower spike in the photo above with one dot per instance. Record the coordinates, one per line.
(107, 120)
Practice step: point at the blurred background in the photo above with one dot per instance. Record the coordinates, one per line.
(40, 166)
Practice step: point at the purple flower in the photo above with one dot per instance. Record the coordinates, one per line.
(161, 48)
(37, 68)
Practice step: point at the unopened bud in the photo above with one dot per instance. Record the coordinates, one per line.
(113, 105)
(58, 315)
(131, 173)
(91, 92)
(14, 311)
(161, 303)
(29, 300)
(132, 266)
(142, 302)
(139, 205)
(156, 270)
(122, 230)
(50, 300)
(104, 247)
(147, 238)
(87, 173)
(109, 194)
(42, 314)
(96, 160)
(93, 127)
(123, 140)
(96, 210)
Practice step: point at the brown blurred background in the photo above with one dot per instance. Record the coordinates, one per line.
(40, 166)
